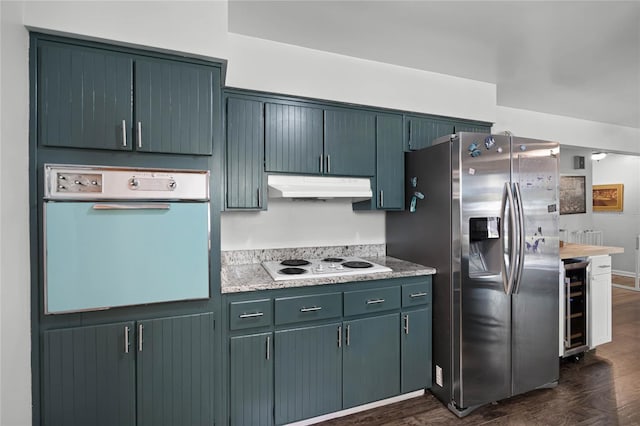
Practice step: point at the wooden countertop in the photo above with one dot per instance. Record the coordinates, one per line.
(570, 250)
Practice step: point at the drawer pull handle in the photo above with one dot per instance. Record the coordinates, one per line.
(254, 315)
(312, 309)
(417, 295)
(604, 266)
(374, 301)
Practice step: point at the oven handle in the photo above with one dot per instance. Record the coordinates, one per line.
(141, 206)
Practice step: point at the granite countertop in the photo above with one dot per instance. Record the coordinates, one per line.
(570, 250)
(238, 278)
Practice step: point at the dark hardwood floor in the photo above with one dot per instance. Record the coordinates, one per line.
(603, 388)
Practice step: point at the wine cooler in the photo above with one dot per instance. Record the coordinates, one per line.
(575, 287)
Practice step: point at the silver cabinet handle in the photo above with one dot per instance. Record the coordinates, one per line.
(604, 266)
(348, 335)
(136, 206)
(567, 314)
(339, 336)
(139, 134)
(414, 295)
(328, 163)
(409, 134)
(311, 309)
(321, 164)
(259, 197)
(268, 347)
(126, 340)
(140, 328)
(406, 324)
(254, 315)
(381, 198)
(374, 301)
(124, 133)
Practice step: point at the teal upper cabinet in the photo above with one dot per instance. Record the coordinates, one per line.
(84, 97)
(422, 131)
(349, 142)
(293, 139)
(245, 153)
(174, 106)
(389, 162)
(102, 98)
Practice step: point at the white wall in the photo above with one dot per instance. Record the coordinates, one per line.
(15, 343)
(578, 221)
(566, 130)
(301, 223)
(620, 229)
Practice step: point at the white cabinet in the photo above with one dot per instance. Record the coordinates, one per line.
(599, 301)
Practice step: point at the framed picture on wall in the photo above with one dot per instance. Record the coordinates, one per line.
(573, 198)
(608, 198)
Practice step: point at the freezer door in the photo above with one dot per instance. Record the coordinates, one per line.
(535, 301)
(481, 307)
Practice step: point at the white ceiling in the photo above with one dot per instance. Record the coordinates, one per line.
(577, 59)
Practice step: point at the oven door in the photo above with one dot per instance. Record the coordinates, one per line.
(102, 255)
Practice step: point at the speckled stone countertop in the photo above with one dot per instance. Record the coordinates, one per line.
(240, 277)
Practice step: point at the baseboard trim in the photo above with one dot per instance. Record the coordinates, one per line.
(357, 409)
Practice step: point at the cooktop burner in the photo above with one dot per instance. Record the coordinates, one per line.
(292, 271)
(295, 262)
(357, 264)
(321, 268)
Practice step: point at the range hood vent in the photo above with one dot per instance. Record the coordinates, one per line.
(320, 187)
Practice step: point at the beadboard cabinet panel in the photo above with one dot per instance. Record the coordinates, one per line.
(88, 376)
(293, 139)
(349, 142)
(174, 106)
(245, 153)
(85, 97)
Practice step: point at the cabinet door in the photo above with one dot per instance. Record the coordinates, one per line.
(245, 153)
(600, 312)
(466, 127)
(415, 349)
(389, 162)
(174, 106)
(421, 131)
(84, 97)
(371, 360)
(88, 376)
(308, 372)
(293, 139)
(251, 380)
(175, 371)
(349, 142)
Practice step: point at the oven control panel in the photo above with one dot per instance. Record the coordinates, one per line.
(70, 182)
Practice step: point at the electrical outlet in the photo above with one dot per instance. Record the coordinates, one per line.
(439, 376)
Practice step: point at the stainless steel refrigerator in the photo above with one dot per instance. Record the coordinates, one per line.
(483, 210)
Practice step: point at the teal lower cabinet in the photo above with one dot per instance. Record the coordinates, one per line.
(371, 360)
(175, 371)
(415, 350)
(308, 372)
(154, 372)
(251, 380)
(88, 376)
(299, 353)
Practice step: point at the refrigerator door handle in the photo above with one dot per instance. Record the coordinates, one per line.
(521, 238)
(510, 269)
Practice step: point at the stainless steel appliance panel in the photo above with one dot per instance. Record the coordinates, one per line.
(535, 299)
(484, 314)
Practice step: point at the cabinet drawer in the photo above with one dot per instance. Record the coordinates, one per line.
(253, 313)
(600, 265)
(308, 308)
(416, 294)
(374, 300)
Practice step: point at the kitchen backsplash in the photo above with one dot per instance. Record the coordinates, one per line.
(301, 223)
(242, 257)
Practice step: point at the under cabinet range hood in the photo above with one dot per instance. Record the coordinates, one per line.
(320, 187)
